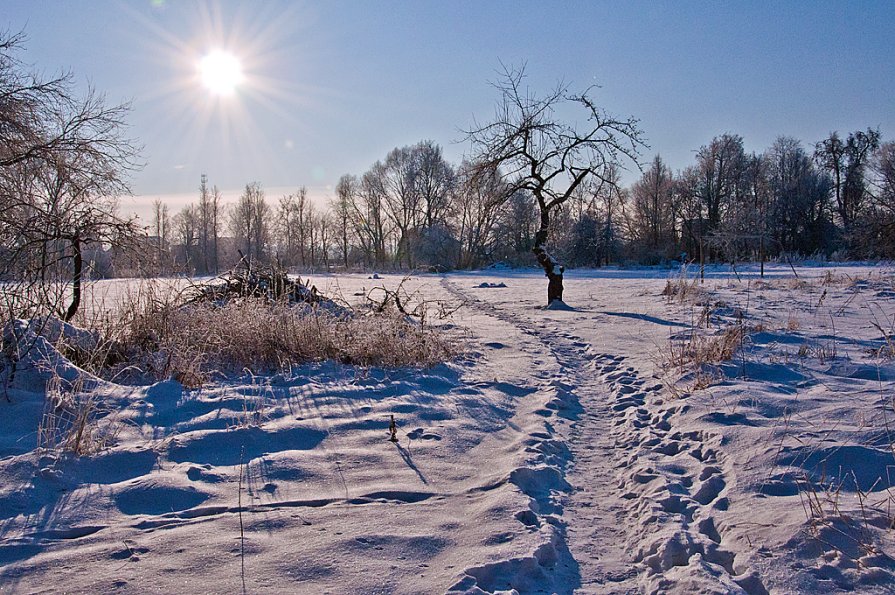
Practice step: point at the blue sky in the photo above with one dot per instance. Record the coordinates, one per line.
(333, 86)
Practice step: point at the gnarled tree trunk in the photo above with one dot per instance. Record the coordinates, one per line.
(552, 269)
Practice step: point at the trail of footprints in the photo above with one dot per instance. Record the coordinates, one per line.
(675, 482)
(541, 477)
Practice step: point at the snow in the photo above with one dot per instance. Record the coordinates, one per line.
(557, 454)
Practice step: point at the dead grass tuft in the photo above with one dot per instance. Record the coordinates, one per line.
(694, 359)
(70, 421)
(682, 289)
(153, 335)
(699, 349)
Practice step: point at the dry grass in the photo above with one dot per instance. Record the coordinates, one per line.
(696, 357)
(192, 343)
(682, 289)
(151, 335)
(699, 349)
(824, 351)
(70, 421)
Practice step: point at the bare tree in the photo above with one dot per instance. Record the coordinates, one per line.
(63, 162)
(479, 199)
(346, 192)
(216, 207)
(395, 180)
(250, 223)
(44, 120)
(651, 216)
(187, 229)
(370, 219)
(517, 224)
(291, 228)
(161, 223)
(208, 213)
(720, 165)
(847, 163)
(541, 153)
(434, 179)
(323, 223)
(883, 182)
(883, 195)
(799, 214)
(611, 199)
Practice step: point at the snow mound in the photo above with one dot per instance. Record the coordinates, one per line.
(559, 305)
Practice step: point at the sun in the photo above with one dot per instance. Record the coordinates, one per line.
(221, 72)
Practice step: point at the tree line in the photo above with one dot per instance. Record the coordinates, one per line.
(415, 210)
(411, 209)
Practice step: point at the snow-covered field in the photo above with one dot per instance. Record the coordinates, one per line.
(564, 451)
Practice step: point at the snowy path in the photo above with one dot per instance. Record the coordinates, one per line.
(638, 512)
(581, 417)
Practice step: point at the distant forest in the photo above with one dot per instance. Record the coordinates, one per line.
(834, 199)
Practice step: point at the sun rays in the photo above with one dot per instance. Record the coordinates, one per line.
(221, 72)
(227, 74)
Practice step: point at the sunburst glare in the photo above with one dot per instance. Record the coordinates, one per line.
(225, 80)
(221, 72)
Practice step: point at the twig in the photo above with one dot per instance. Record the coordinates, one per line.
(242, 551)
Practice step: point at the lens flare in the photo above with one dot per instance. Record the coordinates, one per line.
(221, 72)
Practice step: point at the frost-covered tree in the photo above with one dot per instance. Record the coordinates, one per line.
(209, 218)
(651, 219)
(799, 217)
(161, 225)
(541, 152)
(187, 232)
(480, 195)
(847, 164)
(882, 184)
(250, 223)
(346, 190)
(63, 163)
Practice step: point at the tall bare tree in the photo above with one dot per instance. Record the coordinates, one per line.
(479, 198)
(540, 152)
(346, 193)
(847, 163)
(187, 229)
(395, 180)
(208, 210)
(292, 227)
(63, 163)
(434, 179)
(250, 223)
(651, 216)
(161, 224)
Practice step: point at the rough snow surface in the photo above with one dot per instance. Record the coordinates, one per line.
(560, 453)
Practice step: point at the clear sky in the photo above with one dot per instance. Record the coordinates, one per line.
(332, 86)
